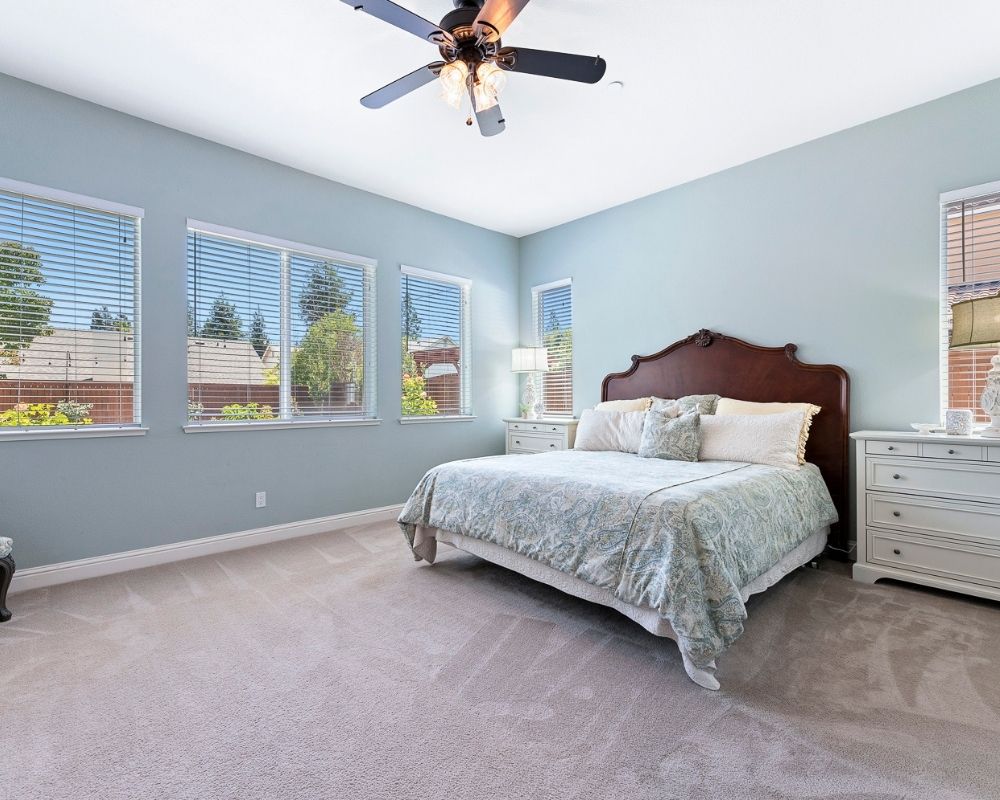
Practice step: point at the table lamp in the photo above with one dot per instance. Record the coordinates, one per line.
(529, 360)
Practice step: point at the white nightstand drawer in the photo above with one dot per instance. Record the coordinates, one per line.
(961, 481)
(535, 427)
(951, 560)
(892, 448)
(960, 451)
(963, 520)
(528, 443)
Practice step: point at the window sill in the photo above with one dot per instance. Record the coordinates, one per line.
(223, 427)
(427, 420)
(82, 432)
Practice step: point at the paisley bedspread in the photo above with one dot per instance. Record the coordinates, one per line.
(679, 537)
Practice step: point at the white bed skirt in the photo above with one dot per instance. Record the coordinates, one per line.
(425, 545)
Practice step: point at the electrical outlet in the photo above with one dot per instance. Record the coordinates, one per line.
(260, 499)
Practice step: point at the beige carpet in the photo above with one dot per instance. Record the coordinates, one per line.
(334, 667)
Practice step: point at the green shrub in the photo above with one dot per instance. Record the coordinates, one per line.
(25, 414)
(75, 412)
(236, 412)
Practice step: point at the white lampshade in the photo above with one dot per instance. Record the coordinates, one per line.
(529, 359)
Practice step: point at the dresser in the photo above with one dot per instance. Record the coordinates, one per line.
(929, 510)
(540, 435)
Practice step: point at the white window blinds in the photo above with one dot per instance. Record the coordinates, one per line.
(553, 317)
(69, 310)
(277, 331)
(971, 268)
(436, 346)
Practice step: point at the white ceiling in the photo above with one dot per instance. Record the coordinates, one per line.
(708, 84)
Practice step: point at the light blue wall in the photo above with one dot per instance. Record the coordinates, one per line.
(833, 245)
(65, 500)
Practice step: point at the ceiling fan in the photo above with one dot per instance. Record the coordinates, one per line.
(475, 64)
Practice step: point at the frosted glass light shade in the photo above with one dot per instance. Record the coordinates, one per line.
(529, 359)
(975, 323)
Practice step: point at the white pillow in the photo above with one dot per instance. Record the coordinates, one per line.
(771, 439)
(617, 431)
(639, 404)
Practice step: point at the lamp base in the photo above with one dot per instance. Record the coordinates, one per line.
(530, 397)
(991, 432)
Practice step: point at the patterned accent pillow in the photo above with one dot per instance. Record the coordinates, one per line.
(702, 403)
(669, 437)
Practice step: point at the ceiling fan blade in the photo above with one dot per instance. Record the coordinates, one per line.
(403, 86)
(498, 14)
(565, 66)
(388, 11)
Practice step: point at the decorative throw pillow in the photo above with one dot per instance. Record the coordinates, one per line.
(617, 431)
(639, 404)
(729, 406)
(702, 403)
(670, 438)
(771, 439)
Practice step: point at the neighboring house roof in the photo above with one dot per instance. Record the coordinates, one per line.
(225, 361)
(439, 343)
(69, 355)
(437, 370)
(109, 357)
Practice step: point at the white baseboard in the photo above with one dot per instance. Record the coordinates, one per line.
(84, 568)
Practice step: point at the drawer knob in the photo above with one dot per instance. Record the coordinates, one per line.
(896, 551)
(891, 447)
(551, 445)
(517, 441)
(951, 452)
(896, 477)
(896, 514)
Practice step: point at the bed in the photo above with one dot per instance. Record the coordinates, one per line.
(678, 547)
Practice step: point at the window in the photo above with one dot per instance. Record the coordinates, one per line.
(69, 311)
(971, 268)
(277, 332)
(437, 377)
(553, 318)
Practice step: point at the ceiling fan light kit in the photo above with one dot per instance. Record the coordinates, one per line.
(475, 64)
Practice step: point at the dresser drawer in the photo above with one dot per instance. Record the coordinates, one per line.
(960, 481)
(993, 453)
(948, 559)
(534, 427)
(968, 452)
(528, 443)
(961, 520)
(892, 448)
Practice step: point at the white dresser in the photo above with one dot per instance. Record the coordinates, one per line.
(540, 435)
(929, 510)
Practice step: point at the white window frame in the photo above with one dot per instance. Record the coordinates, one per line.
(464, 349)
(285, 420)
(536, 293)
(135, 428)
(946, 199)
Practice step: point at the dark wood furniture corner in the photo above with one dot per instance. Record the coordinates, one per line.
(711, 363)
(6, 573)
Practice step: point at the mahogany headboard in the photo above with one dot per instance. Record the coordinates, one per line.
(710, 363)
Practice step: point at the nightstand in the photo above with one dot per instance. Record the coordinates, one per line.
(540, 435)
(929, 510)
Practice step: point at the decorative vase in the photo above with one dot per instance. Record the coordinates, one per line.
(990, 400)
